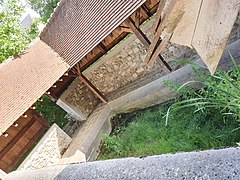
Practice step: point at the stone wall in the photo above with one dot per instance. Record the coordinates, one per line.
(78, 100)
(49, 150)
(123, 69)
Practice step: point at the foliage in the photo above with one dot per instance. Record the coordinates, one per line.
(111, 143)
(147, 134)
(12, 38)
(51, 112)
(44, 7)
(33, 30)
(221, 91)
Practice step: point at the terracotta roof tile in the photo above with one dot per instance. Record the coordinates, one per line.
(76, 27)
(25, 79)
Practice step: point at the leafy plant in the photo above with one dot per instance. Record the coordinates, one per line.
(12, 38)
(51, 112)
(44, 7)
(33, 30)
(111, 143)
(220, 91)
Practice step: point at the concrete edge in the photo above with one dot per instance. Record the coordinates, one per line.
(208, 164)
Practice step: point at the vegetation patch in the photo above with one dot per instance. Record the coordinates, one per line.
(193, 121)
(51, 112)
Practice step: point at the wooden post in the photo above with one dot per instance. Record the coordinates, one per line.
(158, 15)
(160, 28)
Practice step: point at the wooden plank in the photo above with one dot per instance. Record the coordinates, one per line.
(144, 13)
(41, 120)
(160, 48)
(213, 28)
(93, 88)
(144, 40)
(159, 31)
(183, 34)
(16, 138)
(165, 40)
(102, 48)
(126, 29)
(145, 9)
(158, 15)
(25, 149)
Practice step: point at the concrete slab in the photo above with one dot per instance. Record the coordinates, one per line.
(210, 164)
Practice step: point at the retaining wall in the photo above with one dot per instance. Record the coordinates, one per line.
(48, 151)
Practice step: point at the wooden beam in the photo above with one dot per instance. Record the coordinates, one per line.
(102, 48)
(158, 15)
(161, 46)
(144, 13)
(144, 40)
(159, 31)
(25, 149)
(126, 29)
(40, 119)
(93, 88)
(165, 40)
(16, 138)
(137, 17)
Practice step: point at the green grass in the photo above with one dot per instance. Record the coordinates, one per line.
(186, 131)
(51, 112)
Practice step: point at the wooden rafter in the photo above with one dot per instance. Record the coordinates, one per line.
(159, 31)
(126, 29)
(144, 40)
(26, 148)
(102, 48)
(17, 137)
(145, 10)
(144, 13)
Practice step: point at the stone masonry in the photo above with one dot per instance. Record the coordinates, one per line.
(49, 150)
(123, 69)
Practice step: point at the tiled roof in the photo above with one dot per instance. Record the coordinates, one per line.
(76, 27)
(25, 79)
